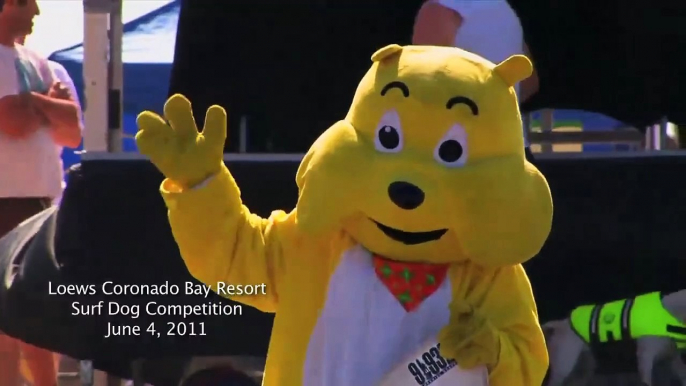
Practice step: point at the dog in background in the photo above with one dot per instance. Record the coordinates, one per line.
(653, 322)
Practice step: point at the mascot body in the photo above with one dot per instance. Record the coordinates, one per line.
(414, 215)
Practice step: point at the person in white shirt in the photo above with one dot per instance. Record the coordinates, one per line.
(488, 28)
(68, 92)
(37, 118)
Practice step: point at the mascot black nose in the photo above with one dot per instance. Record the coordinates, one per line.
(405, 195)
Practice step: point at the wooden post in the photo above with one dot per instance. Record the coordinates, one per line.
(547, 125)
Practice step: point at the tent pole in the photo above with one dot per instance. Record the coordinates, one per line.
(95, 47)
(102, 75)
(115, 79)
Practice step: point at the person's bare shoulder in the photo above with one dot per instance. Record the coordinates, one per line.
(436, 25)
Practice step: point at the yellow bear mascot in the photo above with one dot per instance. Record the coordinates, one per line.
(402, 257)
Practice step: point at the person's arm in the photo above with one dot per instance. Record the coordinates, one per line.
(63, 118)
(75, 97)
(529, 86)
(435, 25)
(18, 116)
(61, 73)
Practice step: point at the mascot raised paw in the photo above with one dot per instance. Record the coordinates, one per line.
(401, 262)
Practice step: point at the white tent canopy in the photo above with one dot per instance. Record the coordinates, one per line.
(89, 22)
(67, 17)
(147, 54)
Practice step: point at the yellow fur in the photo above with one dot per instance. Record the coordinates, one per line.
(495, 206)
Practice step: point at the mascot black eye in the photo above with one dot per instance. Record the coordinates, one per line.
(452, 148)
(450, 151)
(389, 136)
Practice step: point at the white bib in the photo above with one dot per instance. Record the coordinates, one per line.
(427, 367)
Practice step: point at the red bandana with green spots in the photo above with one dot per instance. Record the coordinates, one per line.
(410, 283)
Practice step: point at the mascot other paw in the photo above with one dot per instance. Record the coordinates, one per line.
(469, 338)
(416, 204)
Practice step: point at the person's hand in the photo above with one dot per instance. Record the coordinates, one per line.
(183, 155)
(60, 91)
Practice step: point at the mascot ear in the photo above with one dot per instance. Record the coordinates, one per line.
(386, 52)
(514, 69)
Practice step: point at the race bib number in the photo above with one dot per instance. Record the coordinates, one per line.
(427, 367)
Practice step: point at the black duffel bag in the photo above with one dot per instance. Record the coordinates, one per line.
(94, 237)
(28, 266)
(30, 310)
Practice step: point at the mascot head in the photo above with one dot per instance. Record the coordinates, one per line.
(429, 163)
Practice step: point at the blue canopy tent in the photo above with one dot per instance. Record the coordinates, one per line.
(148, 54)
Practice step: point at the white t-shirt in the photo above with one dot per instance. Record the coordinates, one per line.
(490, 29)
(31, 166)
(62, 75)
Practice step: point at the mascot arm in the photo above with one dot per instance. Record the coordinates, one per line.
(222, 243)
(505, 299)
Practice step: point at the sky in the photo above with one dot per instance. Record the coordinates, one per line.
(66, 16)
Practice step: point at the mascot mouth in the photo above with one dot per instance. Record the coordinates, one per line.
(410, 238)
